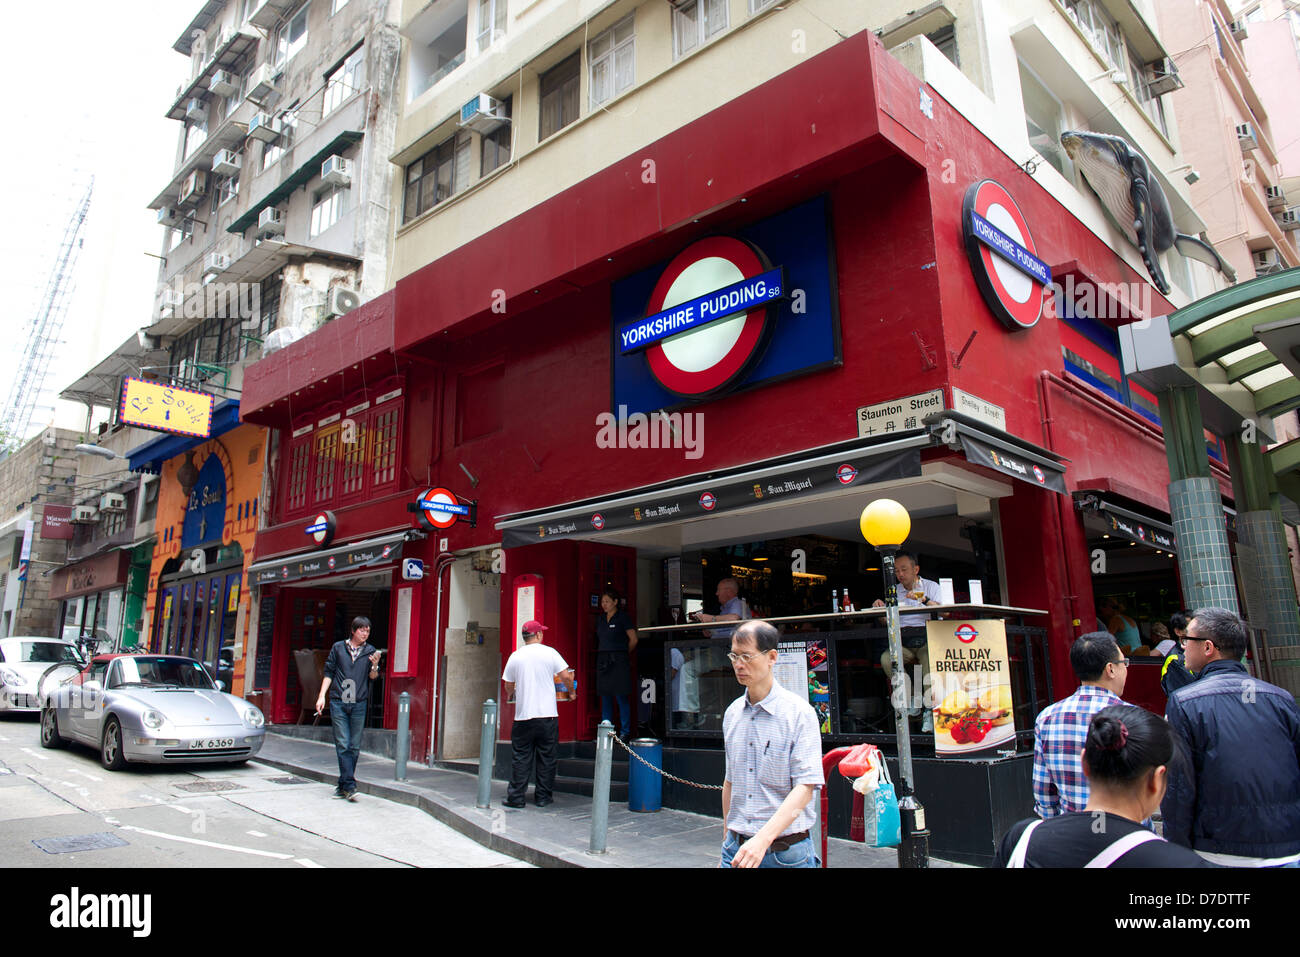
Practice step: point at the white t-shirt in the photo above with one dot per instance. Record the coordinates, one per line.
(532, 670)
(905, 600)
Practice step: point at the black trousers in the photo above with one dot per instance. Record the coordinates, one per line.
(536, 738)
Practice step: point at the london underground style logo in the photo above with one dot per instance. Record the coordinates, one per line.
(1010, 276)
(598, 521)
(846, 474)
(708, 501)
(709, 317)
(966, 633)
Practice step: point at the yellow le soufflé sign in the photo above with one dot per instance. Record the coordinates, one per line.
(154, 405)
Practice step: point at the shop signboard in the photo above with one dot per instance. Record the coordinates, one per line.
(803, 669)
(970, 688)
(57, 522)
(1141, 533)
(1003, 256)
(1001, 460)
(727, 313)
(330, 562)
(165, 408)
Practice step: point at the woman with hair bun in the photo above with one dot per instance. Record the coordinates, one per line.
(1126, 760)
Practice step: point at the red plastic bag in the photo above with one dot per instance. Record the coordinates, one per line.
(859, 761)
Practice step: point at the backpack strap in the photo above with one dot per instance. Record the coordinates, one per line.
(1121, 847)
(1022, 846)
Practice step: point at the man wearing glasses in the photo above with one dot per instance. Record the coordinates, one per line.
(1238, 801)
(1062, 728)
(774, 761)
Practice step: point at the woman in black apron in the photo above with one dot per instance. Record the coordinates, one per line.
(615, 640)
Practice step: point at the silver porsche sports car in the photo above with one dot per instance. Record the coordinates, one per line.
(30, 663)
(157, 709)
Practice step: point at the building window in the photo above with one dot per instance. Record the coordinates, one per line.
(559, 94)
(491, 22)
(349, 78)
(225, 189)
(697, 22)
(1044, 121)
(326, 449)
(327, 208)
(292, 35)
(438, 174)
(299, 470)
(757, 5)
(611, 58)
(1139, 75)
(945, 42)
(437, 45)
(384, 447)
(496, 145)
(195, 133)
(337, 6)
(271, 152)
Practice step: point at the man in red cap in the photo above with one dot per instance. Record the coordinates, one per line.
(530, 677)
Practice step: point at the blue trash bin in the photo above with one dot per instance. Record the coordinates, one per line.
(645, 788)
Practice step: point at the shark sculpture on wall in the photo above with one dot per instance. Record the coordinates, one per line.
(1122, 180)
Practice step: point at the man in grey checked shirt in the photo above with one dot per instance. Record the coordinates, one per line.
(774, 761)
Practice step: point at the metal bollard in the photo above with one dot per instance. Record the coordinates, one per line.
(600, 788)
(403, 734)
(486, 751)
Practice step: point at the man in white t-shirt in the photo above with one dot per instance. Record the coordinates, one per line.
(913, 591)
(530, 677)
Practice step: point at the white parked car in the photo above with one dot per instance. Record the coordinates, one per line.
(25, 661)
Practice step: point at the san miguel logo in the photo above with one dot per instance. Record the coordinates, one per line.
(1003, 256)
(709, 317)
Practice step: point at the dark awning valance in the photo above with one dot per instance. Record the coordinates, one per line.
(328, 561)
(1000, 451)
(1128, 524)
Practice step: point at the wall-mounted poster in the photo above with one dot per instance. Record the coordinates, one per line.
(971, 687)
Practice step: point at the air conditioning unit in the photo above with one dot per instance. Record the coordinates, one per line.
(214, 263)
(195, 185)
(1246, 137)
(263, 127)
(84, 515)
(1164, 78)
(482, 114)
(342, 301)
(112, 502)
(1238, 29)
(196, 109)
(168, 216)
(270, 222)
(1289, 219)
(1276, 197)
(227, 163)
(224, 83)
(336, 171)
(261, 83)
(1267, 261)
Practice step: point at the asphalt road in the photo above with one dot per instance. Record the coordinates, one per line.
(200, 816)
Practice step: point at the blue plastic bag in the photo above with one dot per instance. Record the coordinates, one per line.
(882, 825)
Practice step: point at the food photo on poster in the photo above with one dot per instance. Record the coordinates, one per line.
(970, 687)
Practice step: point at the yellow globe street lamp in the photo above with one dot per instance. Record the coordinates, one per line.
(885, 525)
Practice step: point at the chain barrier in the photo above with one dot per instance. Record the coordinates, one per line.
(662, 772)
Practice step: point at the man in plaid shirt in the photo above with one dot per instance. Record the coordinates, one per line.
(1062, 728)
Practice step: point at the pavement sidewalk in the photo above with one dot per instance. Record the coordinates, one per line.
(556, 836)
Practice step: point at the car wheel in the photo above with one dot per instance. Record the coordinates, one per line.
(110, 750)
(50, 737)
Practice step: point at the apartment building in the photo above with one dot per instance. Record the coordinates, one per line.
(1231, 149)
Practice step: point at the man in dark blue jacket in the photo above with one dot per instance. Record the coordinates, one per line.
(349, 669)
(1238, 802)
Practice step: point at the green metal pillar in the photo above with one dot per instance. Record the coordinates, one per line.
(1204, 561)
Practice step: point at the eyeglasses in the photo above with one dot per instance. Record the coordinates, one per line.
(746, 659)
(1122, 661)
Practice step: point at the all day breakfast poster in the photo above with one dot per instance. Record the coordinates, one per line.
(970, 686)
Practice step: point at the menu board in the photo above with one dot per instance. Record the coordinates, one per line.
(791, 668)
(265, 643)
(971, 689)
(802, 667)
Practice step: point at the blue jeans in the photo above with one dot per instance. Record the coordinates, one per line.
(796, 855)
(624, 712)
(347, 720)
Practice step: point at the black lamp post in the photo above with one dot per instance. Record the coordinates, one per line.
(885, 525)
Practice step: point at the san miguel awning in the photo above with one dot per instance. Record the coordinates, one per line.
(1000, 451)
(813, 472)
(330, 561)
(1125, 523)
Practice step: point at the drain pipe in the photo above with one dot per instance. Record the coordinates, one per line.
(442, 563)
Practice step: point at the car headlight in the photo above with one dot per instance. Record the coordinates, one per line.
(253, 718)
(153, 720)
(11, 677)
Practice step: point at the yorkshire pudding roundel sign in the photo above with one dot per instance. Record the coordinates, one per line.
(709, 317)
(1003, 256)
